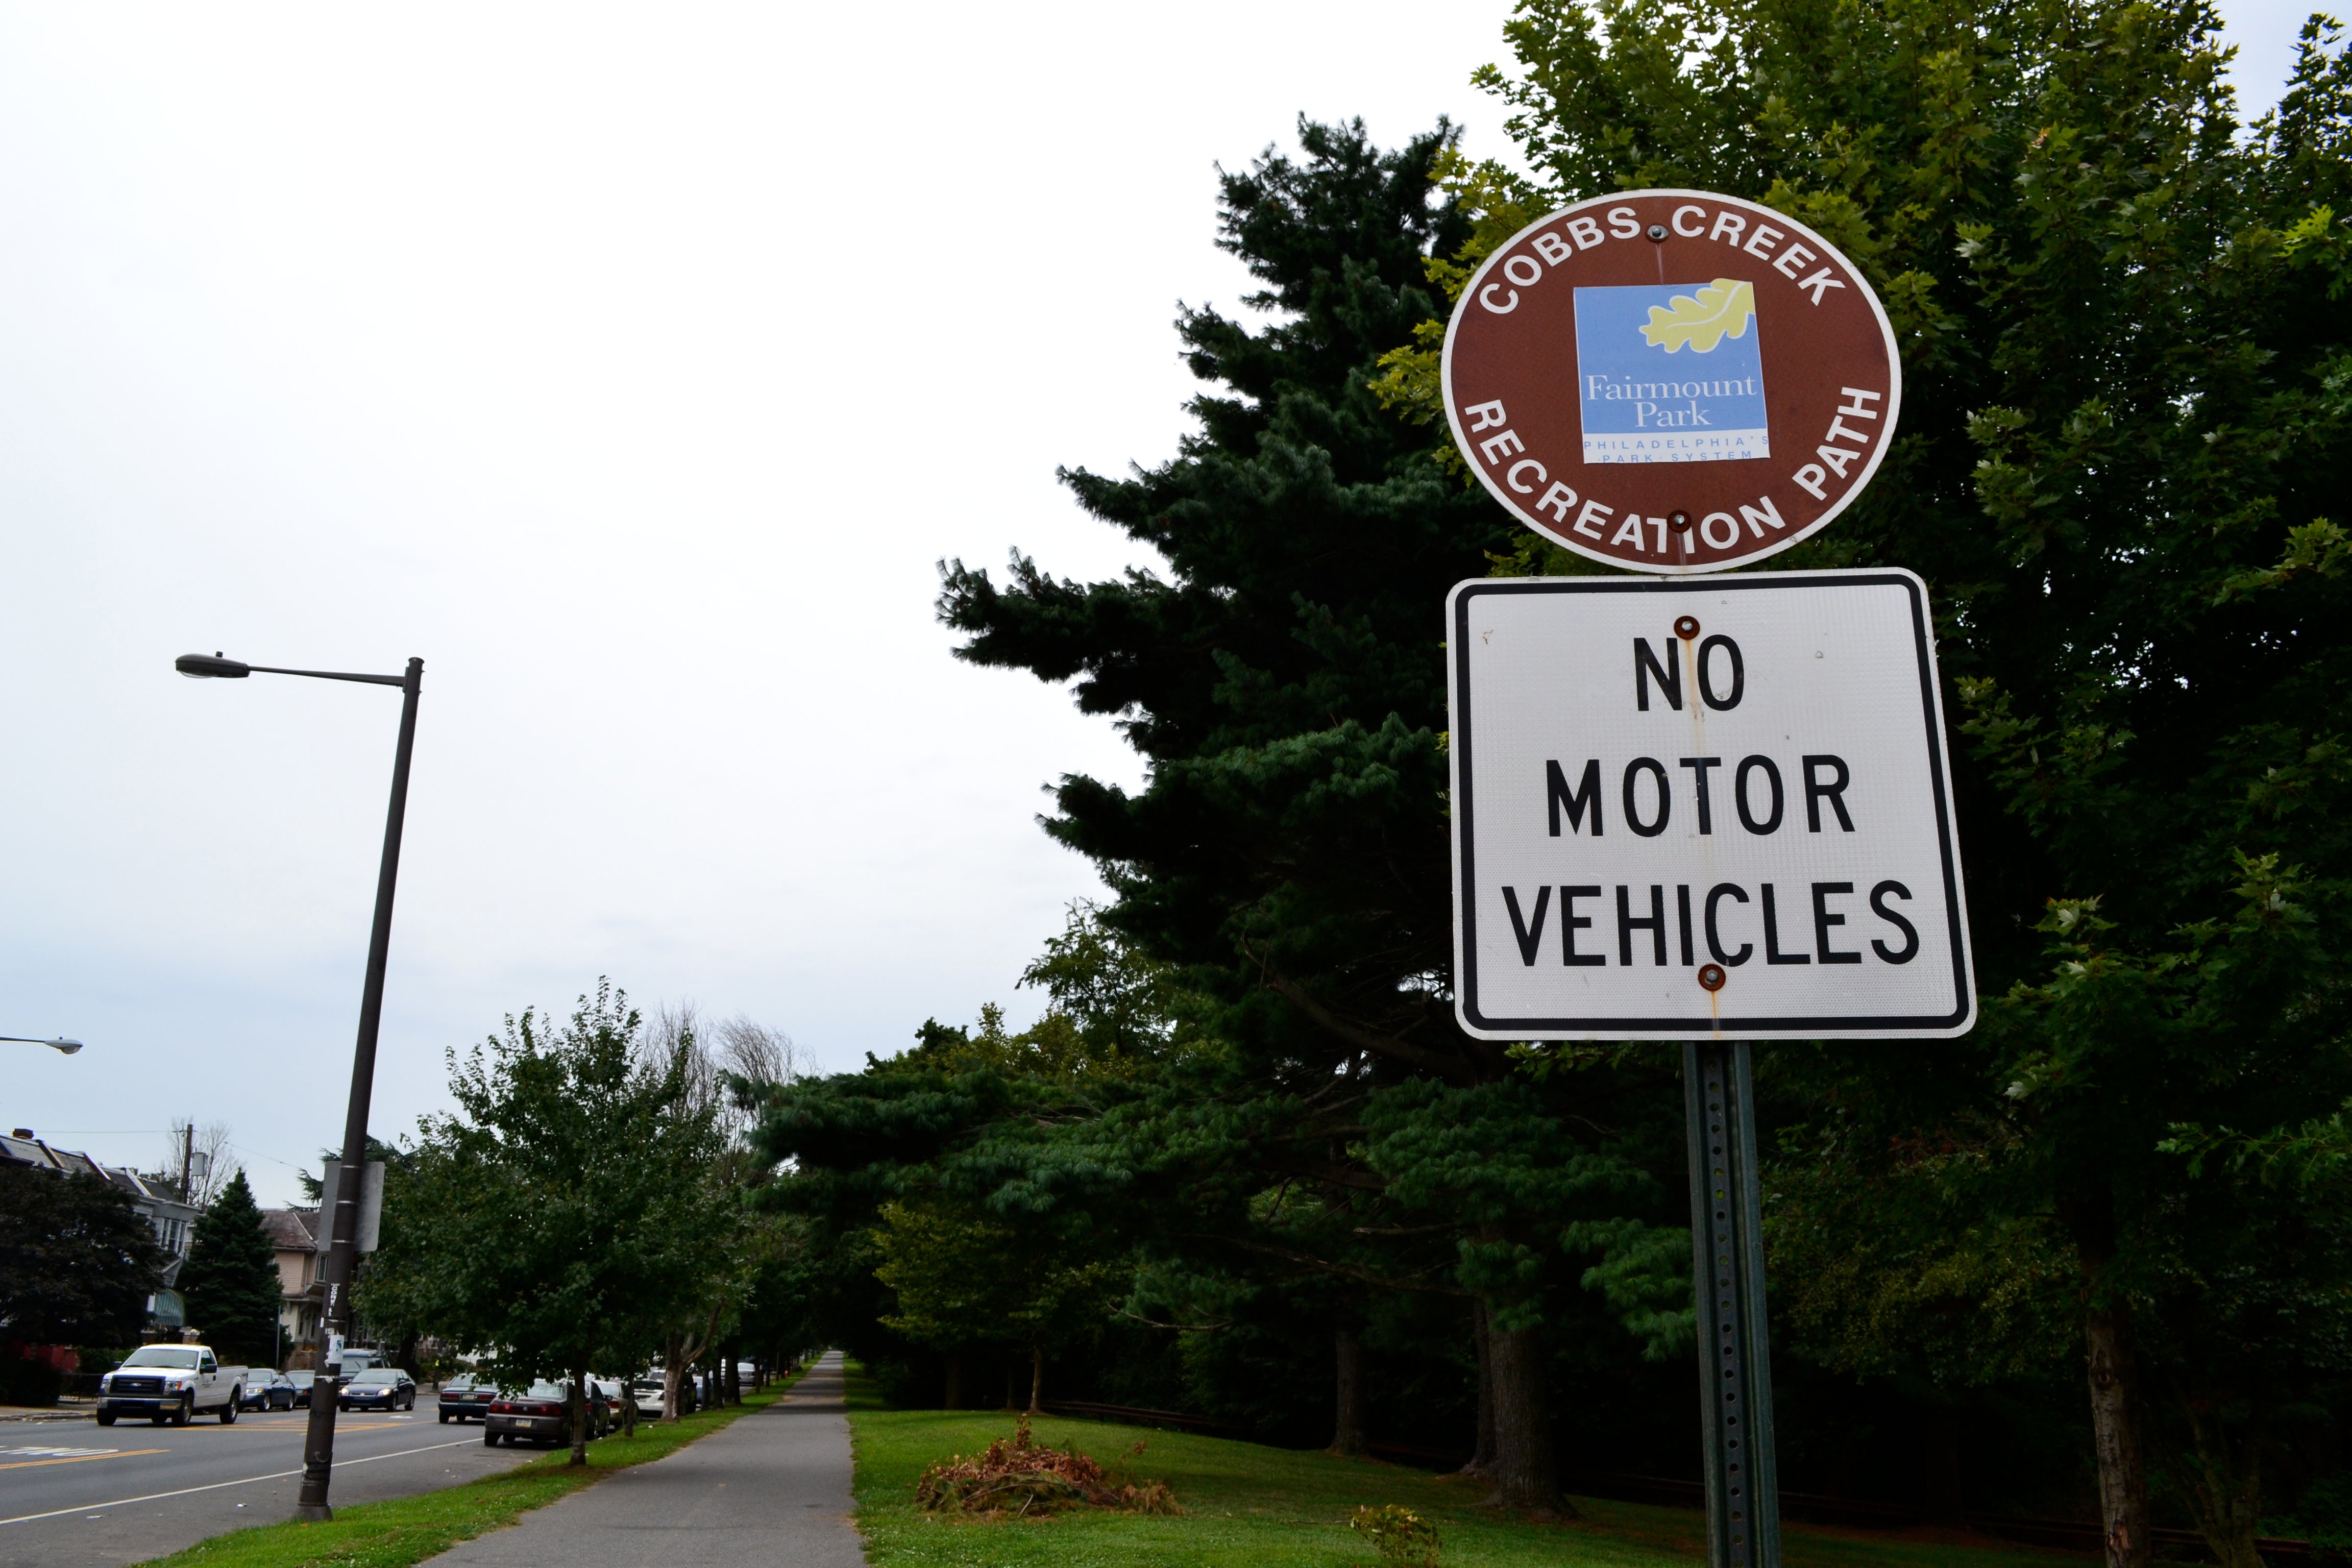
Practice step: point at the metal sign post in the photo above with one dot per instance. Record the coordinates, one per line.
(1735, 1363)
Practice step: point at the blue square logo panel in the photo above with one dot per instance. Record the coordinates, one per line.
(1671, 372)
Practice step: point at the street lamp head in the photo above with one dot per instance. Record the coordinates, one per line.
(210, 667)
(59, 1044)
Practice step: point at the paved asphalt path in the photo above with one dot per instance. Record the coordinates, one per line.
(98, 1486)
(773, 1488)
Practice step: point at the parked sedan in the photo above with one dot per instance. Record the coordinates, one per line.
(300, 1380)
(539, 1414)
(467, 1398)
(378, 1388)
(266, 1390)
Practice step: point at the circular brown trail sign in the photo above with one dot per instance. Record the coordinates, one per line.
(1672, 381)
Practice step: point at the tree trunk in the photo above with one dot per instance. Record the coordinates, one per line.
(2116, 1440)
(1482, 1458)
(579, 1417)
(1036, 1378)
(1012, 1384)
(679, 1353)
(733, 1377)
(1940, 1447)
(1348, 1420)
(955, 1379)
(2226, 1496)
(672, 1371)
(629, 1406)
(1524, 1474)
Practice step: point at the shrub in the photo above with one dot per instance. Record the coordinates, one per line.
(28, 1382)
(1398, 1534)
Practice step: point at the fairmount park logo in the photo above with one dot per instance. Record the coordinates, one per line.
(1671, 373)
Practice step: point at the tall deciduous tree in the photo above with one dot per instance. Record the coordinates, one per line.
(230, 1280)
(570, 1213)
(2126, 332)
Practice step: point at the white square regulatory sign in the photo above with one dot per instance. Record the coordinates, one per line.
(1684, 809)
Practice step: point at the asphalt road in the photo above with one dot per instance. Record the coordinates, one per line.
(74, 1494)
(771, 1488)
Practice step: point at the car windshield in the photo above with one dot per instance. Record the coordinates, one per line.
(176, 1357)
(375, 1377)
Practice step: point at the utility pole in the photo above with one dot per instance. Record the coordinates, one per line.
(187, 1158)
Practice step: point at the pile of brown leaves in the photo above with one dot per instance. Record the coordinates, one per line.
(1016, 1478)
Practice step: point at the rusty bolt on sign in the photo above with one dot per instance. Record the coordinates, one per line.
(1711, 977)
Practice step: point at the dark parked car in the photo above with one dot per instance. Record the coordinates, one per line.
(539, 1414)
(467, 1398)
(266, 1390)
(378, 1388)
(299, 1379)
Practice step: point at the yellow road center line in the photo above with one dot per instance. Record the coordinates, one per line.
(80, 1459)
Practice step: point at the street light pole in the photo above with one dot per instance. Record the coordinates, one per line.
(342, 1205)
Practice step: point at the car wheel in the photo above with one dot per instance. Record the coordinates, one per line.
(412, 1402)
(228, 1411)
(185, 1413)
(106, 1417)
(445, 1418)
(490, 1439)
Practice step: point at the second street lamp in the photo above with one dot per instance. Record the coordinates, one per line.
(318, 1448)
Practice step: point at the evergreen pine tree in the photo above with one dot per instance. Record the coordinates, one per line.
(1289, 853)
(230, 1279)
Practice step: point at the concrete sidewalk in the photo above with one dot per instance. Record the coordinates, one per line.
(771, 1488)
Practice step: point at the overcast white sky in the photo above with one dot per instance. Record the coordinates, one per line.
(633, 367)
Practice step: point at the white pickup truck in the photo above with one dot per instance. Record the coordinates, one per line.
(169, 1382)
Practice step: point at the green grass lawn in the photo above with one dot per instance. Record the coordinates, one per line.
(1252, 1507)
(409, 1530)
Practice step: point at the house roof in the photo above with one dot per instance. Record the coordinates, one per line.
(21, 1147)
(291, 1230)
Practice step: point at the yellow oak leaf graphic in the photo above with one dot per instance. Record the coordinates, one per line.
(1723, 308)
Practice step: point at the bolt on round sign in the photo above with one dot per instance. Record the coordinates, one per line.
(1672, 381)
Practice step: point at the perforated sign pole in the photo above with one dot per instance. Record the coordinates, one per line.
(1735, 1365)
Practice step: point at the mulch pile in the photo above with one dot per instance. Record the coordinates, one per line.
(1017, 1479)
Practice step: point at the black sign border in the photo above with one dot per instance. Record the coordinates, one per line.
(1465, 916)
